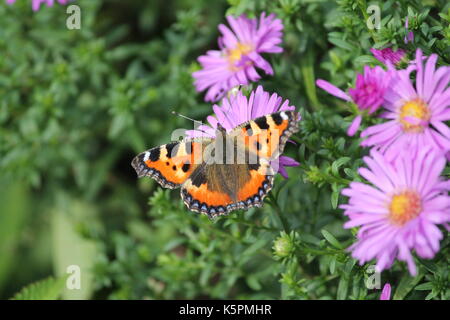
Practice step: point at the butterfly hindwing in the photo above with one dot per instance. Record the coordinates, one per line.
(221, 188)
(171, 164)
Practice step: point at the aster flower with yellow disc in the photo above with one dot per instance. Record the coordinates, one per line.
(416, 113)
(239, 55)
(401, 210)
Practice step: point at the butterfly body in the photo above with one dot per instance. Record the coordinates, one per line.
(218, 175)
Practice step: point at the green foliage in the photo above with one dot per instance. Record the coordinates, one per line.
(77, 105)
(47, 289)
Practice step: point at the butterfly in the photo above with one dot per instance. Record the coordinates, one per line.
(229, 172)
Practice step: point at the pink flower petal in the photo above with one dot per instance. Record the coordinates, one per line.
(354, 126)
(331, 89)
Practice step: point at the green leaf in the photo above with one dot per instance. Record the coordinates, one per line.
(431, 295)
(337, 164)
(47, 289)
(335, 198)
(253, 282)
(407, 283)
(343, 288)
(333, 265)
(342, 44)
(335, 59)
(365, 59)
(331, 239)
(424, 286)
(310, 81)
(345, 280)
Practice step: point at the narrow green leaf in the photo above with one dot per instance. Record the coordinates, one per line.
(309, 80)
(424, 286)
(331, 239)
(333, 265)
(335, 199)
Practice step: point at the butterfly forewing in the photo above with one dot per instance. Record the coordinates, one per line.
(171, 164)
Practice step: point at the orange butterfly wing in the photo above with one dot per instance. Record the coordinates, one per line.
(266, 136)
(171, 164)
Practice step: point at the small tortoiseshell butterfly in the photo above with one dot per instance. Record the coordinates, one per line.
(229, 172)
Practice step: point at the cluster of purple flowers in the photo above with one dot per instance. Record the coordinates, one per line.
(407, 197)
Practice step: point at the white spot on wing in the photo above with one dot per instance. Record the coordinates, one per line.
(146, 156)
(284, 115)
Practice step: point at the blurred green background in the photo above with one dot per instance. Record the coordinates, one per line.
(77, 105)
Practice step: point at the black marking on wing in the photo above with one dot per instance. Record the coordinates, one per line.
(172, 149)
(262, 123)
(277, 119)
(254, 166)
(198, 177)
(154, 154)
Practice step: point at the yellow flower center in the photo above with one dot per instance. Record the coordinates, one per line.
(404, 207)
(414, 115)
(235, 55)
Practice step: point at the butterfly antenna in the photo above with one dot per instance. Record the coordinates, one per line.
(183, 116)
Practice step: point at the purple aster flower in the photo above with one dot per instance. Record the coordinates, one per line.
(368, 93)
(237, 109)
(416, 113)
(400, 211)
(386, 293)
(370, 88)
(239, 55)
(37, 3)
(388, 55)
